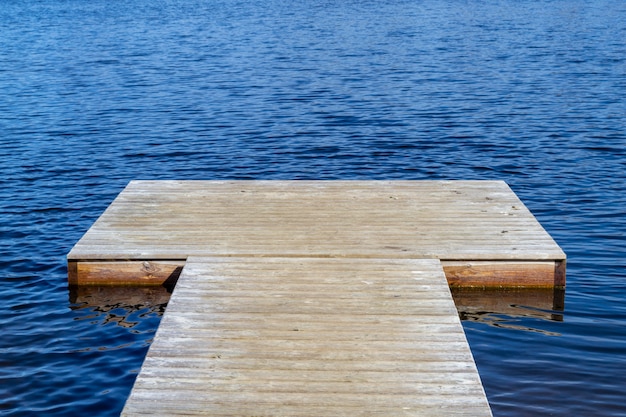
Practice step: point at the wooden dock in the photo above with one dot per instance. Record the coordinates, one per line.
(314, 298)
(309, 337)
(479, 230)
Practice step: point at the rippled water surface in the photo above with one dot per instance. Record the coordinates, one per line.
(96, 93)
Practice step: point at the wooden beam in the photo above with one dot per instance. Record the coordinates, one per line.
(486, 274)
(135, 273)
(483, 274)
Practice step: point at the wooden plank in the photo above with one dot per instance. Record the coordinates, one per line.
(485, 274)
(136, 273)
(309, 336)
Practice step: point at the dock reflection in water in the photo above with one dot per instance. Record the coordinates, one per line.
(496, 307)
(508, 307)
(119, 304)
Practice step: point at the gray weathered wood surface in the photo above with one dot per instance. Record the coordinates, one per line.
(446, 220)
(309, 337)
(480, 230)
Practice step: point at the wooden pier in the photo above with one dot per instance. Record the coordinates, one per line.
(314, 298)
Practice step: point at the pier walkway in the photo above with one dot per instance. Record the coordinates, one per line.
(309, 337)
(313, 298)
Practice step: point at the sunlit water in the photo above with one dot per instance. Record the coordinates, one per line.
(96, 93)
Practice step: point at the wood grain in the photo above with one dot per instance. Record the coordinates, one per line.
(454, 221)
(309, 337)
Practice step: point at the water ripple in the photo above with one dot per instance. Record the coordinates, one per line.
(97, 93)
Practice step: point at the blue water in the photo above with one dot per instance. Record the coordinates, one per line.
(96, 93)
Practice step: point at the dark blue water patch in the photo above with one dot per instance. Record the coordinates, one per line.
(527, 364)
(94, 94)
(78, 348)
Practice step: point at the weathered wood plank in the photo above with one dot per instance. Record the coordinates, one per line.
(309, 336)
(502, 274)
(136, 273)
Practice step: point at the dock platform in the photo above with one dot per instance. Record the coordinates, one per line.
(314, 298)
(481, 232)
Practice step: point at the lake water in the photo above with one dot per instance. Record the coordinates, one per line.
(96, 93)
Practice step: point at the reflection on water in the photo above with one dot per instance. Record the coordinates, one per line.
(96, 93)
(507, 307)
(496, 307)
(119, 305)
